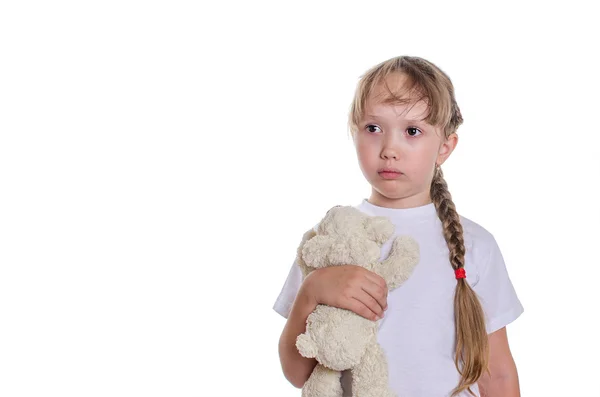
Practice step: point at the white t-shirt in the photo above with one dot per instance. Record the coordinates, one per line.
(417, 330)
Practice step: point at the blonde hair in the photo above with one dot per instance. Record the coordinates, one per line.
(428, 83)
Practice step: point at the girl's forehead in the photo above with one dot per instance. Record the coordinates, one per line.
(397, 95)
(414, 110)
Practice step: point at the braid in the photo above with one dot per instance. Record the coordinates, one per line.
(471, 335)
(453, 232)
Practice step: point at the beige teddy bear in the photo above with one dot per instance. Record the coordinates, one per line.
(340, 339)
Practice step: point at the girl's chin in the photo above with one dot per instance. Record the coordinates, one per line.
(389, 191)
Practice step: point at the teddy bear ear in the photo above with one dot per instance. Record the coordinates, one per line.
(329, 217)
(335, 206)
(378, 228)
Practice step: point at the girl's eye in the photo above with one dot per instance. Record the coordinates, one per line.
(370, 126)
(416, 132)
(414, 128)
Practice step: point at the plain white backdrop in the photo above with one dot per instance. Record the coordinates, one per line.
(159, 162)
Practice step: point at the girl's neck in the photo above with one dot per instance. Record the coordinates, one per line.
(417, 200)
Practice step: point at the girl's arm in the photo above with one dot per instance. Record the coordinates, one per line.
(348, 287)
(296, 368)
(504, 380)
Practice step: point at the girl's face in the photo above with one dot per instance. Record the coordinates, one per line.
(393, 136)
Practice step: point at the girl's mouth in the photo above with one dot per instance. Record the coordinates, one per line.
(390, 175)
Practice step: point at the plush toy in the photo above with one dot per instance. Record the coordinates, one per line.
(340, 339)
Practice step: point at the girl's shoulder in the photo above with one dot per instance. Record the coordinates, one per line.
(477, 238)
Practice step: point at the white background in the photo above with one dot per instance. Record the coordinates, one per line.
(159, 162)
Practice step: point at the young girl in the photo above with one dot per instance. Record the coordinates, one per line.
(443, 330)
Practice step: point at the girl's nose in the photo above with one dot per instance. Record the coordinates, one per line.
(389, 154)
(390, 147)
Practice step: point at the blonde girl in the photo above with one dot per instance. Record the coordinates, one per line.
(444, 330)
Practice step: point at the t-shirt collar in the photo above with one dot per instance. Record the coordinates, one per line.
(426, 211)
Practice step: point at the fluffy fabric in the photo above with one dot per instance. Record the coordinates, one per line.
(340, 339)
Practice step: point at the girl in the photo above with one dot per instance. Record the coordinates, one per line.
(443, 332)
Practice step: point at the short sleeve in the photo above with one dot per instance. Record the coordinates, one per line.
(287, 296)
(496, 292)
(285, 300)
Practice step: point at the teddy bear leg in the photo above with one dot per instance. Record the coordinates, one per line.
(323, 382)
(306, 346)
(370, 376)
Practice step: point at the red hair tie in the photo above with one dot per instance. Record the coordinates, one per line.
(460, 273)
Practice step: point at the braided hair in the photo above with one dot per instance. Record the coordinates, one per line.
(471, 335)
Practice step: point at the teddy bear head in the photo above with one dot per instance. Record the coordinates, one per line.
(345, 236)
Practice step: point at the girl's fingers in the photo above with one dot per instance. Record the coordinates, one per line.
(361, 309)
(366, 299)
(378, 293)
(376, 279)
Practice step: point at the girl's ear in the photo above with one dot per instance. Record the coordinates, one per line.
(447, 147)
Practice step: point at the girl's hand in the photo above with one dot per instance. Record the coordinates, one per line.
(349, 287)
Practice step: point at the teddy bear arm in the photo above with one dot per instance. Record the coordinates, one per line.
(400, 263)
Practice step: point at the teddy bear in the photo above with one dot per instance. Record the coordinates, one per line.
(340, 339)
